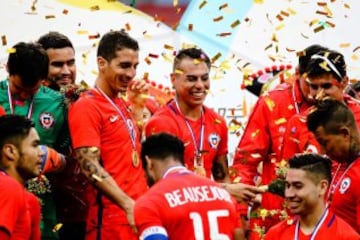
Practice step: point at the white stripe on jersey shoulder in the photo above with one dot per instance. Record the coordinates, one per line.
(151, 232)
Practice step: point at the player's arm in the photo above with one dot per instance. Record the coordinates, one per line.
(137, 93)
(154, 233)
(255, 143)
(243, 193)
(89, 159)
(220, 169)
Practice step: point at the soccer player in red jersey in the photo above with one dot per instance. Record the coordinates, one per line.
(326, 77)
(20, 160)
(107, 141)
(334, 126)
(307, 182)
(180, 204)
(203, 131)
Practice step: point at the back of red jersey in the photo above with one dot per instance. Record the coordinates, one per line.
(185, 206)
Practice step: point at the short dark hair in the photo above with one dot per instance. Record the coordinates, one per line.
(30, 62)
(305, 57)
(161, 146)
(318, 166)
(13, 129)
(327, 62)
(193, 53)
(331, 115)
(55, 40)
(114, 41)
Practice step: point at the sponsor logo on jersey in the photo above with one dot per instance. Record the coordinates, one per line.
(214, 140)
(345, 184)
(47, 120)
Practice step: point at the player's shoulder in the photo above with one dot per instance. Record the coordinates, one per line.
(9, 186)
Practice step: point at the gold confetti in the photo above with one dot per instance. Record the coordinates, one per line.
(95, 36)
(127, 27)
(330, 24)
(82, 32)
(319, 28)
(280, 26)
(147, 60)
(280, 121)
(95, 8)
(279, 17)
(190, 27)
(169, 47)
(65, 11)
(344, 45)
(268, 46)
(202, 4)
(225, 5)
(321, 4)
(11, 50)
(270, 103)
(175, 3)
(346, 5)
(217, 19)
(96, 177)
(354, 57)
(145, 76)
(57, 227)
(216, 57)
(178, 71)
(223, 34)
(282, 12)
(234, 24)
(49, 16)
(3, 40)
(217, 121)
(291, 11)
(290, 50)
(322, 13)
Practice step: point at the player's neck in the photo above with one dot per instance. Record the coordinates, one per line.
(171, 168)
(192, 113)
(309, 221)
(105, 88)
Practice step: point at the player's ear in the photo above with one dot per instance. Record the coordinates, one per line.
(9, 153)
(149, 164)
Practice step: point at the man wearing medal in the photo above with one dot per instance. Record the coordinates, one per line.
(203, 131)
(23, 94)
(307, 182)
(335, 128)
(107, 141)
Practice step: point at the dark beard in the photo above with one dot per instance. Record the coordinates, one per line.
(150, 180)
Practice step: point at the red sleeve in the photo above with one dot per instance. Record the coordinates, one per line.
(85, 124)
(53, 160)
(291, 139)
(254, 144)
(35, 213)
(145, 216)
(11, 198)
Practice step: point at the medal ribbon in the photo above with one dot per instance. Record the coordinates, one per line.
(198, 146)
(128, 122)
(30, 110)
(316, 229)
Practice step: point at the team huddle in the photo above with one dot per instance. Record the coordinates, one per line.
(87, 164)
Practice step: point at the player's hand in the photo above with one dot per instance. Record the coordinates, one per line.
(129, 210)
(243, 193)
(137, 92)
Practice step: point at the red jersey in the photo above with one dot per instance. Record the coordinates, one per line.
(346, 198)
(2, 111)
(332, 228)
(263, 136)
(14, 213)
(35, 214)
(185, 206)
(170, 120)
(299, 139)
(93, 121)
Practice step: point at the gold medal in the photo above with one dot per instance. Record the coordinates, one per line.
(135, 158)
